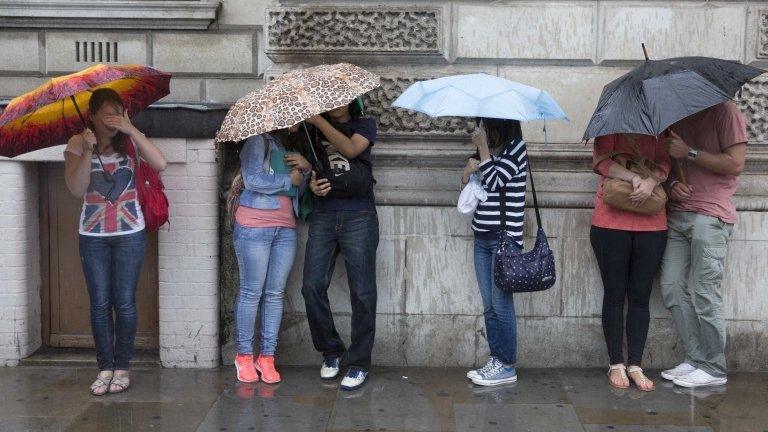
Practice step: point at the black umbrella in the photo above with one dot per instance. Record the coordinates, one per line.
(658, 93)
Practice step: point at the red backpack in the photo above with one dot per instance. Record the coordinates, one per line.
(150, 189)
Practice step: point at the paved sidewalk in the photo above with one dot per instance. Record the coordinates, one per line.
(34, 398)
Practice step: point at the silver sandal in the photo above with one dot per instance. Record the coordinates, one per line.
(122, 383)
(99, 383)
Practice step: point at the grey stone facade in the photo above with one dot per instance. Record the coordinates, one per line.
(429, 308)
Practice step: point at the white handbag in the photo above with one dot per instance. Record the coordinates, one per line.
(472, 195)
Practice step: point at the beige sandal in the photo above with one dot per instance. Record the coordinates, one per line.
(622, 371)
(642, 379)
(121, 382)
(102, 382)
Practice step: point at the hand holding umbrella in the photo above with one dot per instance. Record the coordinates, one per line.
(677, 149)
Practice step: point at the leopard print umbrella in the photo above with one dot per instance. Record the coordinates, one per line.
(294, 97)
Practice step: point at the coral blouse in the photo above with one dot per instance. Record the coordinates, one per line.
(609, 217)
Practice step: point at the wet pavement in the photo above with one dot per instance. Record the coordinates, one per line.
(35, 398)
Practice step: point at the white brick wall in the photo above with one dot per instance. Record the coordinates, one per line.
(189, 260)
(19, 262)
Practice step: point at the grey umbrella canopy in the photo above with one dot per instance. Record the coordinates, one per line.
(658, 93)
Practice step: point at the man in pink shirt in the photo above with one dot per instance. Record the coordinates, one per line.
(710, 146)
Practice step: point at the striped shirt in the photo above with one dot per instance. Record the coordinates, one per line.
(508, 171)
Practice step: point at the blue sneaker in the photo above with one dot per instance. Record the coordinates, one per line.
(497, 374)
(330, 368)
(354, 379)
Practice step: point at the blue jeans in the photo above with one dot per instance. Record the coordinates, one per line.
(498, 306)
(354, 235)
(265, 257)
(112, 266)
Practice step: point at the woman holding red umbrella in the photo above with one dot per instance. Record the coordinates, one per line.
(112, 229)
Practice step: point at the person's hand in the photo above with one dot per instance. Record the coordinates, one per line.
(297, 161)
(479, 138)
(676, 147)
(636, 180)
(319, 187)
(472, 166)
(643, 191)
(87, 140)
(121, 123)
(680, 191)
(296, 177)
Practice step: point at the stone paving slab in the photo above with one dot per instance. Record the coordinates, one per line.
(56, 399)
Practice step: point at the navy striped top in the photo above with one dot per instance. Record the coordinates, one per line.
(507, 170)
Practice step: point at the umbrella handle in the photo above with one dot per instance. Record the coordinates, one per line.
(77, 108)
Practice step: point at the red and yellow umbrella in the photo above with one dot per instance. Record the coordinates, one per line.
(53, 112)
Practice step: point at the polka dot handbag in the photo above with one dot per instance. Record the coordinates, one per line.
(518, 271)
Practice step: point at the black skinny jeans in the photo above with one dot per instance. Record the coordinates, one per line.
(628, 260)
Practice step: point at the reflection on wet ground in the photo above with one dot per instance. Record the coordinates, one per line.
(395, 399)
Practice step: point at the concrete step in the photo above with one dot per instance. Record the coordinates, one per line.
(77, 357)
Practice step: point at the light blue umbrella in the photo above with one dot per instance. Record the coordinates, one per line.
(479, 95)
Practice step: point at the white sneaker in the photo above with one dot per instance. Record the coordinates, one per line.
(475, 373)
(680, 370)
(698, 378)
(354, 379)
(330, 368)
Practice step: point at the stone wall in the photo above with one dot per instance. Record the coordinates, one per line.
(429, 307)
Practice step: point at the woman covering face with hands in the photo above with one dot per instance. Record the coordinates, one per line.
(112, 229)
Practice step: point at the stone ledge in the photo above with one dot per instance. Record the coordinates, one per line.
(109, 14)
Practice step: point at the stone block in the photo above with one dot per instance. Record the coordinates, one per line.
(744, 287)
(19, 51)
(243, 12)
(747, 346)
(201, 53)
(62, 54)
(576, 90)
(437, 340)
(673, 30)
(525, 31)
(752, 226)
(184, 90)
(441, 277)
(229, 90)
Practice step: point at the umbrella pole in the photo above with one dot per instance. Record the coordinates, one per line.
(80, 114)
(645, 51)
(309, 142)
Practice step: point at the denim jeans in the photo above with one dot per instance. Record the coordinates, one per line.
(354, 235)
(265, 257)
(628, 261)
(498, 305)
(112, 265)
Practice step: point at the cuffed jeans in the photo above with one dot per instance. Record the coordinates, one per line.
(498, 305)
(112, 265)
(628, 261)
(696, 249)
(265, 257)
(354, 235)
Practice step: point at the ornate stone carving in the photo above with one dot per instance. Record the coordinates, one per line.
(762, 33)
(754, 104)
(354, 30)
(398, 121)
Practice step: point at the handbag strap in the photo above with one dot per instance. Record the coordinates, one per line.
(504, 201)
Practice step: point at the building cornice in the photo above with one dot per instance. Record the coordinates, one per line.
(109, 14)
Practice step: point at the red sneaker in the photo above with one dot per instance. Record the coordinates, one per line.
(266, 366)
(245, 370)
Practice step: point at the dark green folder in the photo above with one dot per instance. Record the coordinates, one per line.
(278, 165)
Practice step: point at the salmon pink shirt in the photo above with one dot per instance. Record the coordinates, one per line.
(281, 217)
(609, 217)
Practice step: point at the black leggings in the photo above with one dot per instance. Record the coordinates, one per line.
(628, 260)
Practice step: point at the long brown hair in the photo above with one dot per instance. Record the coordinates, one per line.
(98, 98)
